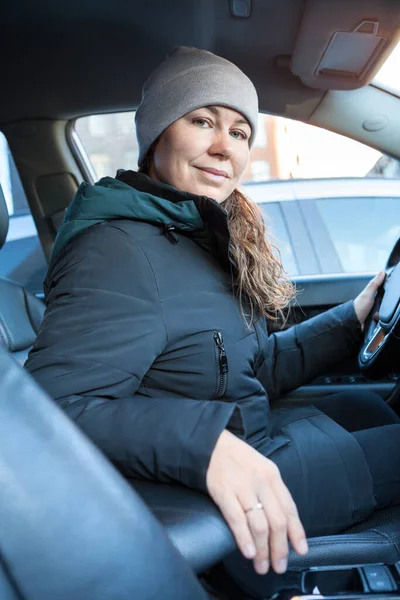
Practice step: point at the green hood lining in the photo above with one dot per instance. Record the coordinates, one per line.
(110, 199)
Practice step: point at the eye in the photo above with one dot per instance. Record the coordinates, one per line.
(200, 122)
(239, 135)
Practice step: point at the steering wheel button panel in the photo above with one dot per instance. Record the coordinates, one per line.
(378, 578)
(390, 303)
(380, 353)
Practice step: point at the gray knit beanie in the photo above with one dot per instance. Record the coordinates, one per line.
(190, 78)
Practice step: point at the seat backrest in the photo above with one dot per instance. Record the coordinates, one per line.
(20, 311)
(70, 525)
(7, 588)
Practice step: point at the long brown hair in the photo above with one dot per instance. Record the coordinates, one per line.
(261, 282)
(261, 285)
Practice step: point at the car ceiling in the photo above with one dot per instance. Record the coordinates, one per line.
(65, 59)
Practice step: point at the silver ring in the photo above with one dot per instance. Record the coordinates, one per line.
(258, 506)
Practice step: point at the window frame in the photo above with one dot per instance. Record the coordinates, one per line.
(78, 151)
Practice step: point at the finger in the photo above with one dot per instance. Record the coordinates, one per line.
(376, 316)
(296, 532)
(232, 511)
(278, 533)
(295, 529)
(258, 525)
(377, 281)
(381, 275)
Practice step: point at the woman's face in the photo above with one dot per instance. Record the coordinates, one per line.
(205, 152)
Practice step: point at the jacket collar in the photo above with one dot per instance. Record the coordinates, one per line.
(135, 196)
(213, 215)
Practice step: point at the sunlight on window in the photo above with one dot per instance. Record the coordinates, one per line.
(389, 74)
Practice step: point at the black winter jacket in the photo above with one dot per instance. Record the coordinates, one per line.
(143, 343)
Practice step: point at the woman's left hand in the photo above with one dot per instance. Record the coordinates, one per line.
(365, 300)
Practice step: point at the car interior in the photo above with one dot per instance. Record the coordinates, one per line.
(311, 60)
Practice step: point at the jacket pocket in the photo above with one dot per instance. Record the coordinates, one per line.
(222, 365)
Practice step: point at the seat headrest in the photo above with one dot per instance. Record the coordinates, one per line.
(3, 219)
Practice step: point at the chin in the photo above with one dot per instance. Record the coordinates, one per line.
(211, 192)
(216, 194)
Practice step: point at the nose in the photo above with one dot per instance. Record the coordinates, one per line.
(221, 144)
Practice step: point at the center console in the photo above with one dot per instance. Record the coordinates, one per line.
(378, 581)
(346, 583)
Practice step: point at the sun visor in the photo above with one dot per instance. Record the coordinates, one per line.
(342, 44)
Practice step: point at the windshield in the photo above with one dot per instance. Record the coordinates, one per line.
(389, 75)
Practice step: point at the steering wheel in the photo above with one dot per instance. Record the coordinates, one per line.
(380, 352)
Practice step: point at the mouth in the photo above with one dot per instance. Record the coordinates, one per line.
(214, 174)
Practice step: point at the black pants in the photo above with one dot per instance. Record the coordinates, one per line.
(377, 430)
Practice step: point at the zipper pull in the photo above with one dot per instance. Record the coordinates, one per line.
(169, 231)
(219, 340)
(223, 359)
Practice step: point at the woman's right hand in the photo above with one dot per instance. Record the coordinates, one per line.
(238, 478)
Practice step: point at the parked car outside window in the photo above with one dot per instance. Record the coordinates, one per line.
(328, 226)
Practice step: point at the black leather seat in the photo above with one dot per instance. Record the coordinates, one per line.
(70, 525)
(191, 519)
(20, 311)
(198, 530)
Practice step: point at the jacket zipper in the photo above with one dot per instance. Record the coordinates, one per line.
(169, 231)
(222, 365)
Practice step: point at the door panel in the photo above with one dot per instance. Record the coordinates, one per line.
(329, 290)
(317, 294)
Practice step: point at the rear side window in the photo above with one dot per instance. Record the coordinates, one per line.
(109, 142)
(21, 258)
(283, 149)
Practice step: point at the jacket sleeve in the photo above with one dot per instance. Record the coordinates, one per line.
(295, 356)
(103, 329)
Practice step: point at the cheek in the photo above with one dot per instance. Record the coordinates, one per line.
(164, 163)
(172, 155)
(245, 158)
(241, 162)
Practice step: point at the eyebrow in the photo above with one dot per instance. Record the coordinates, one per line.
(217, 111)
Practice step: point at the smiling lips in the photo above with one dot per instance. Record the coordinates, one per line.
(214, 174)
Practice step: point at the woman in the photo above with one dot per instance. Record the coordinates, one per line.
(155, 341)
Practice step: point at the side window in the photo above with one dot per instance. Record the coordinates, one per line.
(363, 230)
(287, 157)
(21, 258)
(109, 142)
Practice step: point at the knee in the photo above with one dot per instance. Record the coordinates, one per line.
(369, 399)
(358, 400)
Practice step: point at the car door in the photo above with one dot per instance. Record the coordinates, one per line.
(316, 295)
(351, 226)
